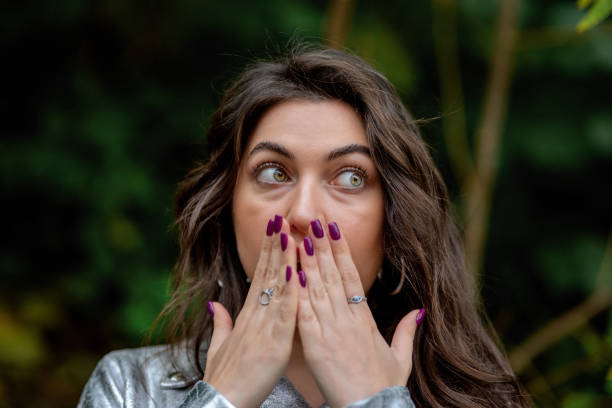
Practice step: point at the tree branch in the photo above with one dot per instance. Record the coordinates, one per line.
(559, 328)
(338, 19)
(488, 135)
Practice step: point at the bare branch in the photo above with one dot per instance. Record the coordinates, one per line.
(338, 20)
(488, 135)
(559, 328)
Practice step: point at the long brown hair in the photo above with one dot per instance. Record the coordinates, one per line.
(456, 361)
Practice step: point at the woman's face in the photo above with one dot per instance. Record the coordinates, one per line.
(307, 160)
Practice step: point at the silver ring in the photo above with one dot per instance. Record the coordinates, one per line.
(267, 292)
(357, 299)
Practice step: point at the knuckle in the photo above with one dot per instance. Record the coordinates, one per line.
(285, 313)
(332, 277)
(351, 277)
(307, 316)
(318, 292)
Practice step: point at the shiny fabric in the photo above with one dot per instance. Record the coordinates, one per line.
(145, 377)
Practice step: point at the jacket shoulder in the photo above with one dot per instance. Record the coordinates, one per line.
(122, 377)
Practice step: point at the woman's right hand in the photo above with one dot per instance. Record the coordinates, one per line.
(246, 360)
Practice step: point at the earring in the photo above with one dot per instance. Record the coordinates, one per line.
(401, 282)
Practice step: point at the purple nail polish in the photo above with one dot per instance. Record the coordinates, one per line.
(283, 239)
(308, 246)
(278, 223)
(288, 273)
(211, 309)
(420, 317)
(334, 231)
(317, 228)
(302, 278)
(270, 229)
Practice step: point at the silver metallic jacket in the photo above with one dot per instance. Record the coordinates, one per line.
(145, 377)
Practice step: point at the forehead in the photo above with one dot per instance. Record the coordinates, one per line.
(310, 125)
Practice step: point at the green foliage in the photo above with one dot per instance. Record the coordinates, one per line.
(599, 11)
(107, 107)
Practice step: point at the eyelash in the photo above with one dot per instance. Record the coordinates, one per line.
(362, 172)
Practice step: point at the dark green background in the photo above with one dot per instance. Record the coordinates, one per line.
(105, 106)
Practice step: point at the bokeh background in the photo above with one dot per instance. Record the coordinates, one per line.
(105, 106)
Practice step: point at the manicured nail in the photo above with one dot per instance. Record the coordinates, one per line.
(302, 278)
(270, 229)
(308, 246)
(211, 309)
(317, 228)
(420, 317)
(284, 239)
(334, 232)
(278, 223)
(288, 273)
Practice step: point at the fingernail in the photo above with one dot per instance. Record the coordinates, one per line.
(302, 278)
(211, 309)
(270, 229)
(288, 274)
(284, 239)
(278, 223)
(308, 246)
(420, 317)
(334, 231)
(317, 228)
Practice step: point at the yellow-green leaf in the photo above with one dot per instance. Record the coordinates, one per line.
(596, 14)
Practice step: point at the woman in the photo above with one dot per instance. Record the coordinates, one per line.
(319, 232)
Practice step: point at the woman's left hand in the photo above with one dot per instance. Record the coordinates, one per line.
(348, 357)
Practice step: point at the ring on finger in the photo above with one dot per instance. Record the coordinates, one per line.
(357, 299)
(265, 296)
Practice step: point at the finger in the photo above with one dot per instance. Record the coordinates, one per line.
(283, 308)
(307, 321)
(271, 272)
(275, 270)
(264, 256)
(348, 271)
(317, 292)
(222, 326)
(403, 338)
(330, 275)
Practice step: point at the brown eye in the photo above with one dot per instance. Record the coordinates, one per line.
(272, 175)
(350, 179)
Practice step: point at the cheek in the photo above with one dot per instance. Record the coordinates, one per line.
(363, 233)
(250, 222)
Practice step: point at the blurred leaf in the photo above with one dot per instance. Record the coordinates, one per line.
(572, 266)
(579, 400)
(20, 345)
(599, 131)
(40, 311)
(380, 45)
(123, 234)
(596, 14)
(147, 292)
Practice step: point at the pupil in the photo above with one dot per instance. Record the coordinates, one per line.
(355, 180)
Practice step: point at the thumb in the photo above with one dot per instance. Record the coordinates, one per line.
(222, 326)
(403, 338)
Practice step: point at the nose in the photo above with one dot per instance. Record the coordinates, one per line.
(303, 207)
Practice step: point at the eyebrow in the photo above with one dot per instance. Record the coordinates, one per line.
(334, 154)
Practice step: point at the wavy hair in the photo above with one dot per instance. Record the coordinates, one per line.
(457, 360)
